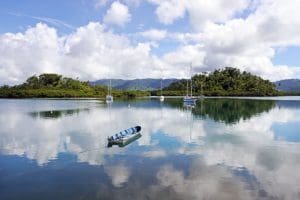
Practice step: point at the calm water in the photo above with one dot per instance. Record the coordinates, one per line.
(220, 149)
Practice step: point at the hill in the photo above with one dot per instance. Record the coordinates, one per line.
(135, 84)
(225, 82)
(55, 85)
(288, 85)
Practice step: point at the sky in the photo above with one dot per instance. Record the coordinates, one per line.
(94, 39)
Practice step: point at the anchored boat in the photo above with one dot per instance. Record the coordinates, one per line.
(125, 137)
(109, 97)
(189, 99)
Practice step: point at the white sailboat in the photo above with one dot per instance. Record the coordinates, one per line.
(109, 97)
(189, 98)
(161, 98)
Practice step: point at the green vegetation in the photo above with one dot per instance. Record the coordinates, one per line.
(54, 85)
(224, 82)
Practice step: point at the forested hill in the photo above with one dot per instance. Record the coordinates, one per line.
(225, 82)
(55, 85)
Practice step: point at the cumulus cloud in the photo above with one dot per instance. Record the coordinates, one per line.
(89, 53)
(117, 14)
(200, 12)
(32, 52)
(130, 3)
(169, 11)
(154, 34)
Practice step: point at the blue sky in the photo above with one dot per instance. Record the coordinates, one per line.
(148, 38)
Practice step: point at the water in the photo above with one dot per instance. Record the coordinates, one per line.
(220, 149)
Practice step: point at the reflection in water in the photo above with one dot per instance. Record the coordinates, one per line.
(54, 114)
(252, 154)
(228, 110)
(232, 110)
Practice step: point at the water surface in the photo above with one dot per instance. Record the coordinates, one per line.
(220, 149)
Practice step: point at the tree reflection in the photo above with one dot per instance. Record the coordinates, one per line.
(227, 110)
(55, 114)
(232, 110)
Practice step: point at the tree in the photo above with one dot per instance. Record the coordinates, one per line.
(32, 82)
(49, 79)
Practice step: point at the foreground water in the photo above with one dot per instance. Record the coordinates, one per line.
(220, 149)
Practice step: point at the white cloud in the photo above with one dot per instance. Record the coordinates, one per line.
(169, 11)
(154, 34)
(118, 14)
(34, 52)
(186, 38)
(183, 56)
(100, 3)
(130, 3)
(89, 53)
(200, 12)
(219, 11)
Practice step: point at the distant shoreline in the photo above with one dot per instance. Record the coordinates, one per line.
(287, 97)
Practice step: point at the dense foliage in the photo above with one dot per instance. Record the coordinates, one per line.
(225, 82)
(55, 85)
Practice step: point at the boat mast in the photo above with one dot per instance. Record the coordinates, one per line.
(108, 89)
(191, 80)
(187, 87)
(161, 87)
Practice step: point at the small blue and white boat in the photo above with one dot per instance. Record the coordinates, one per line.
(125, 136)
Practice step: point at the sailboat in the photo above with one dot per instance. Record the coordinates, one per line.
(109, 97)
(161, 98)
(189, 98)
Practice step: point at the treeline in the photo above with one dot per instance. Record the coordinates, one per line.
(224, 82)
(57, 86)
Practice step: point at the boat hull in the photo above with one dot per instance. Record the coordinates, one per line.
(124, 136)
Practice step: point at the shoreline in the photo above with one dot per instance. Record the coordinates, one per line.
(287, 97)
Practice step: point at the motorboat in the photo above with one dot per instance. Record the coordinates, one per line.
(125, 136)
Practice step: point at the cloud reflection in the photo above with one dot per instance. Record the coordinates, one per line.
(219, 151)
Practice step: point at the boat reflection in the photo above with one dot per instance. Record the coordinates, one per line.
(189, 104)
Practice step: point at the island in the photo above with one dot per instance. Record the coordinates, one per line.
(51, 85)
(228, 81)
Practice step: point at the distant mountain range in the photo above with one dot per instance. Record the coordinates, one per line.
(288, 85)
(135, 84)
